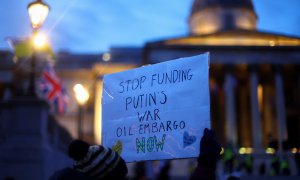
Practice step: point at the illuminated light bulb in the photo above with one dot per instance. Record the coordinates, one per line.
(39, 40)
(106, 57)
(81, 94)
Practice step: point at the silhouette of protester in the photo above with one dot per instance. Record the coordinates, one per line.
(209, 154)
(97, 161)
(69, 173)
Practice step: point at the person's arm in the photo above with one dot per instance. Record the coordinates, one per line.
(209, 154)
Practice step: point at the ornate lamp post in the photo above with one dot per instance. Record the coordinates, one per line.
(82, 97)
(38, 12)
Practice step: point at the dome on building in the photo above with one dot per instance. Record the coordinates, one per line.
(210, 16)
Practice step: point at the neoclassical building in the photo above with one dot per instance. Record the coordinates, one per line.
(254, 75)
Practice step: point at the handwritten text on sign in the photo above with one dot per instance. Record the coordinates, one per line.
(157, 111)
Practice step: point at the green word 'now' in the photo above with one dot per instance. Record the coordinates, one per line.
(151, 144)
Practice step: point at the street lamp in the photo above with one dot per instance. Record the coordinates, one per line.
(82, 96)
(38, 12)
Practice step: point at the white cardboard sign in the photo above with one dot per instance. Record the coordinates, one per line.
(157, 111)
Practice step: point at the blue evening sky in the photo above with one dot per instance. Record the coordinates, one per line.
(92, 26)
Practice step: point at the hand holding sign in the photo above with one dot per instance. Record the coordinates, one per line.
(210, 149)
(209, 153)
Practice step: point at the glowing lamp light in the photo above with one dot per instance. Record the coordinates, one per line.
(245, 150)
(106, 57)
(39, 40)
(242, 150)
(271, 43)
(81, 94)
(249, 150)
(270, 150)
(222, 151)
(38, 12)
(294, 150)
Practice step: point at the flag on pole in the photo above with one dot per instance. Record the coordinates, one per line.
(51, 88)
(21, 46)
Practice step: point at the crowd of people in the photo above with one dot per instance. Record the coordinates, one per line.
(267, 165)
(99, 162)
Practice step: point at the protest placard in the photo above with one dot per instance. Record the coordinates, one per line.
(157, 111)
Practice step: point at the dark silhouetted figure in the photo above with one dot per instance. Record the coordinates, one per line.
(284, 166)
(248, 163)
(297, 160)
(69, 173)
(209, 154)
(93, 162)
(275, 165)
(140, 171)
(262, 169)
(164, 171)
(232, 178)
(228, 158)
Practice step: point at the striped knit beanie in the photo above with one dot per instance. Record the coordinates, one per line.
(97, 161)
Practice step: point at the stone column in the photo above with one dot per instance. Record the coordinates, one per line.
(280, 110)
(268, 115)
(255, 114)
(244, 117)
(231, 127)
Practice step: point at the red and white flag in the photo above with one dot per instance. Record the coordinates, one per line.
(51, 88)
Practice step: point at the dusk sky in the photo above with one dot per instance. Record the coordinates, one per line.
(92, 26)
